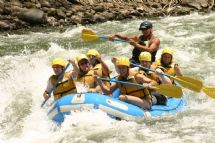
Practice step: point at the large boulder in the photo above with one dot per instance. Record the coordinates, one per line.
(33, 16)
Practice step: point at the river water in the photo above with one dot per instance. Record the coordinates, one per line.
(25, 68)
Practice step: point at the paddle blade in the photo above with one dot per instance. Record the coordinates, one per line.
(190, 83)
(210, 91)
(89, 35)
(169, 90)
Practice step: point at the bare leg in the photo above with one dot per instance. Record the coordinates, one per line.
(136, 101)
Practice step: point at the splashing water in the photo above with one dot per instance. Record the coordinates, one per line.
(25, 69)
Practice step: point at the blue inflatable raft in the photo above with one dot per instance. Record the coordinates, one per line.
(112, 106)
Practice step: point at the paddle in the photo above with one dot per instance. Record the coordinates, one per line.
(90, 35)
(165, 89)
(210, 91)
(187, 82)
(55, 84)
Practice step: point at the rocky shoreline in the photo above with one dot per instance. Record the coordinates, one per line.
(25, 14)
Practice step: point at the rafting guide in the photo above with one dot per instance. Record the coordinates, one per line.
(145, 42)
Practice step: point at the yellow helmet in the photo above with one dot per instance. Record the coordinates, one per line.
(93, 52)
(145, 56)
(167, 51)
(123, 61)
(80, 57)
(58, 61)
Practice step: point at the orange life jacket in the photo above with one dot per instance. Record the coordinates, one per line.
(133, 90)
(64, 87)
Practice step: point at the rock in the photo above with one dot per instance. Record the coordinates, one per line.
(4, 25)
(29, 5)
(108, 15)
(46, 9)
(98, 18)
(1, 2)
(120, 17)
(140, 9)
(51, 21)
(76, 19)
(16, 3)
(68, 13)
(65, 12)
(1, 8)
(33, 16)
(16, 10)
(99, 8)
(156, 5)
(88, 15)
(38, 5)
(52, 11)
(72, 1)
(45, 3)
(78, 9)
(110, 5)
(61, 21)
(80, 14)
(60, 13)
(124, 12)
(135, 13)
(197, 4)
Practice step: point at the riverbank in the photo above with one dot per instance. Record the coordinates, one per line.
(20, 14)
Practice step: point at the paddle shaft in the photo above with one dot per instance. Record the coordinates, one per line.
(187, 82)
(165, 89)
(123, 82)
(150, 70)
(114, 39)
(55, 84)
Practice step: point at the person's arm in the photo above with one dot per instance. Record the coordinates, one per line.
(75, 70)
(123, 37)
(153, 47)
(177, 70)
(142, 79)
(118, 36)
(74, 65)
(105, 69)
(162, 78)
(48, 88)
(103, 87)
(113, 60)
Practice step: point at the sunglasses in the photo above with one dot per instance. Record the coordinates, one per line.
(91, 56)
(145, 29)
(84, 63)
(56, 67)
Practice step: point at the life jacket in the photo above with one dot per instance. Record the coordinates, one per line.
(166, 69)
(136, 52)
(87, 79)
(133, 90)
(64, 87)
(98, 68)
